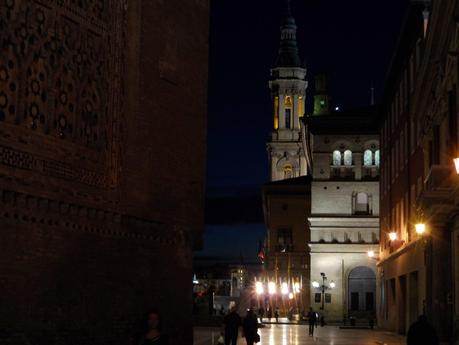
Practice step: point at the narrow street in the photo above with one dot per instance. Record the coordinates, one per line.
(298, 335)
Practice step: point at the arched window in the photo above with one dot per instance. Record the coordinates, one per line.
(361, 204)
(336, 157)
(368, 158)
(348, 157)
(288, 171)
(288, 112)
(377, 158)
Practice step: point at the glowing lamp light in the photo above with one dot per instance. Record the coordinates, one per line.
(284, 289)
(296, 288)
(332, 285)
(259, 290)
(456, 164)
(195, 280)
(271, 288)
(290, 295)
(371, 254)
(336, 108)
(420, 228)
(315, 284)
(393, 236)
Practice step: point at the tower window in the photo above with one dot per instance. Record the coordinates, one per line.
(284, 239)
(288, 112)
(288, 115)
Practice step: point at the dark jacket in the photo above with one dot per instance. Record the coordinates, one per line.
(312, 316)
(250, 326)
(421, 332)
(232, 322)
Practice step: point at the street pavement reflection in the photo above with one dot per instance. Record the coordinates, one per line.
(298, 335)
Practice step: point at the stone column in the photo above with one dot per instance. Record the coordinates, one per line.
(296, 112)
(357, 157)
(281, 111)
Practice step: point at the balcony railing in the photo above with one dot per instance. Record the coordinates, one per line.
(370, 172)
(342, 172)
(284, 248)
(438, 179)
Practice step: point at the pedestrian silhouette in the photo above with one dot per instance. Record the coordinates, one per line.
(232, 322)
(269, 313)
(312, 321)
(261, 313)
(250, 327)
(276, 315)
(421, 332)
(150, 332)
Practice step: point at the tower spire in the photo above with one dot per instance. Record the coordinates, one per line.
(288, 49)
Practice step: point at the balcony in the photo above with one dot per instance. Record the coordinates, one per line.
(439, 187)
(284, 248)
(370, 173)
(342, 172)
(438, 179)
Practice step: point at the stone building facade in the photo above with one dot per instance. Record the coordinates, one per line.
(344, 215)
(418, 271)
(101, 169)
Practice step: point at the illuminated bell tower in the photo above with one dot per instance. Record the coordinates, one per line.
(288, 89)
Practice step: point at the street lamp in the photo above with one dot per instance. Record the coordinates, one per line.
(284, 289)
(420, 228)
(259, 290)
(272, 288)
(323, 287)
(393, 236)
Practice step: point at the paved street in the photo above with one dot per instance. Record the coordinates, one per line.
(298, 335)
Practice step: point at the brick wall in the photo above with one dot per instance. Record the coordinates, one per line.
(102, 160)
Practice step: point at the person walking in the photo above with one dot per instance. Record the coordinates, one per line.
(312, 321)
(151, 334)
(421, 332)
(250, 327)
(232, 322)
(261, 313)
(276, 315)
(269, 313)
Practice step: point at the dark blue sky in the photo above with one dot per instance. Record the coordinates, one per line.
(351, 41)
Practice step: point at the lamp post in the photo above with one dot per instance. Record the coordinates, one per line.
(323, 287)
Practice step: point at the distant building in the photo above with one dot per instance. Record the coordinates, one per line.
(344, 216)
(286, 205)
(322, 204)
(221, 282)
(418, 269)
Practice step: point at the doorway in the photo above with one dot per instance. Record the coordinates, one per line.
(361, 292)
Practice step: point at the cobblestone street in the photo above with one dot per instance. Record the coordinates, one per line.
(298, 335)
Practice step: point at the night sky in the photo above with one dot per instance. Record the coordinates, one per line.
(350, 41)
